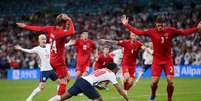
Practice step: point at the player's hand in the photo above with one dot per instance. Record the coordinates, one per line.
(21, 25)
(124, 20)
(64, 16)
(18, 47)
(199, 26)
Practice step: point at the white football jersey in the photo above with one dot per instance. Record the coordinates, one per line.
(147, 57)
(118, 55)
(101, 75)
(44, 55)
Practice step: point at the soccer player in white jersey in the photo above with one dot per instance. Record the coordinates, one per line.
(148, 59)
(43, 51)
(86, 84)
(117, 56)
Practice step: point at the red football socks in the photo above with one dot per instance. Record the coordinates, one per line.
(153, 89)
(62, 89)
(170, 89)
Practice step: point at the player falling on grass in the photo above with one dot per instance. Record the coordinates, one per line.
(57, 35)
(43, 51)
(84, 49)
(148, 58)
(102, 59)
(86, 84)
(131, 49)
(161, 37)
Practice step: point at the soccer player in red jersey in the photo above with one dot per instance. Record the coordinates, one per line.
(131, 49)
(161, 37)
(103, 58)
(57, 35)
(84, 48)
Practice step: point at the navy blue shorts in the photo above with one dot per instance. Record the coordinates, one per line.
(83, 86)
(48, 74)
(146, 67)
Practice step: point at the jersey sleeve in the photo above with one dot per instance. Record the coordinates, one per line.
(121, 43)
(188, 31)
(70, 31)
(93, 45)
(141, 44)
(37, 28)
(33, 50)
(76, 42)
(112, 78)
(137, 31)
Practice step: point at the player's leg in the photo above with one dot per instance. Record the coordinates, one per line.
(140, 75)
(131, 80)
(41, 86)
(156, 72)
(74, 90)
(89, 91)
(169, 71)
(85, 70)
(120, 75)
(78, 71)
(62, 75)
(145, 68)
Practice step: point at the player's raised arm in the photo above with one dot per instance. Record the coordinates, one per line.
(121, 92)
(32, 28)
(124, 21)
(69, 22)
(18, 47)
(189, 30)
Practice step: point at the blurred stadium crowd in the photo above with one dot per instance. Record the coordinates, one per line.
(101, 18)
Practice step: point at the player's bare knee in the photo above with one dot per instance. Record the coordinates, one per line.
(42, 86)
(63, 80)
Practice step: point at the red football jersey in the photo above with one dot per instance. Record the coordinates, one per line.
(162, 41)
(84, 49)
(131, 51)
(102, 60)
(57, 39)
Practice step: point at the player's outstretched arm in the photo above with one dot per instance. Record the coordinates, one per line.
(18, 47)
(110, 41)
(70, 43)
(32, 28)
(189, 30)
(124, 20)
(121, 92)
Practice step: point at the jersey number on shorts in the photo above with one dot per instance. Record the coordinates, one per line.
(53, 46)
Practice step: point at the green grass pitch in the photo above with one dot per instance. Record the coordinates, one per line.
(186, 89)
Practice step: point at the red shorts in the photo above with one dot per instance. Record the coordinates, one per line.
(131, 70)
(168, 68)
(61, 71)
(82, 67)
